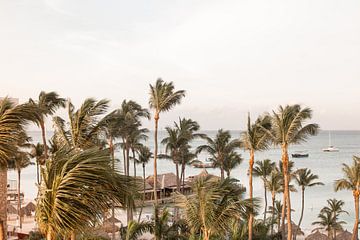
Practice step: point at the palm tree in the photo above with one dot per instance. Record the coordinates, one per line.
(174, 142)
(213, 206)
(351, 181)
(219, 148)
(188, 128)
(46, 105)
(20, 161)
(134, 230)
(77, 187)
(136, 137)
(328, 223)
(263, 169)
(144, 156)
(288, 128)
(274, 185)
(255, 139)
(163, 231)
(335, 208)
(276, 210)
(304, 179)
(233, 160)
(12, 120)
(130, 114)
(163, 97)
(84, 125)
(37, 152)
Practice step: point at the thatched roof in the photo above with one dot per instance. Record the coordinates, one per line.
(112, 220)
(11, 209)
(295, 227)
(108, 227)
(163, 180)
(30, 207)
(317, 236)
(203, 173)
(344, 235)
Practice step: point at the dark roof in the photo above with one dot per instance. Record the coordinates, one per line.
(344, 235)
(163, 180)
(317, 236)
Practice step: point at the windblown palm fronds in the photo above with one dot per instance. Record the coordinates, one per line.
(76, 190)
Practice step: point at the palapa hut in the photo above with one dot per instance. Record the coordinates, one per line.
(294, 228)
(317, 236)
(344, 235)
(166, 185)
(112, 220)
(203, 173)
(108, 227)
(11, 209)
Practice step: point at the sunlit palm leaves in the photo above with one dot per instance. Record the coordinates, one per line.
(77, 188)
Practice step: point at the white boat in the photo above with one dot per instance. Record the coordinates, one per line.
(330, 148)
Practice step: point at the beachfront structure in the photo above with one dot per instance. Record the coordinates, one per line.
(166, 185)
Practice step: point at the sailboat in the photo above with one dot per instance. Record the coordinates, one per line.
(330, 148)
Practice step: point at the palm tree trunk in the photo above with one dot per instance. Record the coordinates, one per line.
(155, 156)
(272, 212)
(302, 210)
(42, 126)
(285, 160)
(19, 200)
(251, 217)
(265, 195)
(283, 213)
(111, 147)
(183, 178)
(3, 203)
(127, 160)
(72, 235)
(228, 173)
(356, 224)
(177, 177)
(222, 169)
(143, 198)
(133, 152)
(49, 234)
(37, 172)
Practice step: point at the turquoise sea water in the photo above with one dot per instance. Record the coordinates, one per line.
(326, 165)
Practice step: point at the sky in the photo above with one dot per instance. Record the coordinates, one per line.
(232, 57)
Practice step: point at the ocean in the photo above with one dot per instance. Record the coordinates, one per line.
(326, 165)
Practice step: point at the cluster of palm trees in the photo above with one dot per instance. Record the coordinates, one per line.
(79, 181)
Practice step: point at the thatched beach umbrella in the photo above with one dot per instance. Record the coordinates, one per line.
(108, 227)
(344, 235)
(317, 236)
(11, 209)
(112, 219)
(30, 207)
(295, 227)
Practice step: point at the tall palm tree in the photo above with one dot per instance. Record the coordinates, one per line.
(254, 139)
(20, 161)
(263, 169)
(188, 128)
(288, 128)
(233, 160)
(274, 185)
(46, 105)
(213, 206)
(12, 120)
(304, 178)
(144, 155)
(174, 142)
(219, 149)
(131, 114)
(37, 152)
(134, 230)
(163, 97)
(328, 223)
(335, 207)
(84, 125)
(77, 187)
(351, 181)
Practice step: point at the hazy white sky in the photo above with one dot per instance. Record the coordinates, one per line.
(231, 56)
